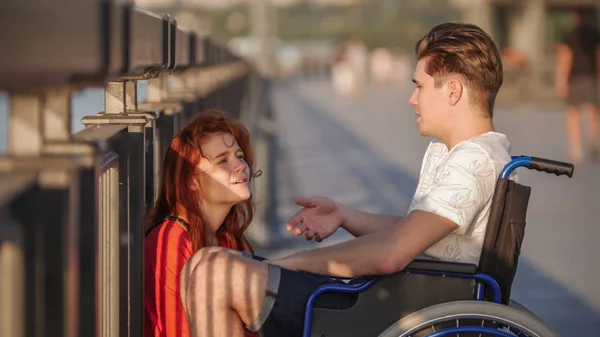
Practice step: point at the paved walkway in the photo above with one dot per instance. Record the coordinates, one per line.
(366, 152)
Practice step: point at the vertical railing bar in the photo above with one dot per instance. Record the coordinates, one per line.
(107, 254)
(109, 310)
(89, 249)
(101, 259)
(122, 150)
(12, 276)
(137, 209)
(34, 259)
(55, 201)
(109, 251)
(113, 225)
(151, 173)
(72, 255)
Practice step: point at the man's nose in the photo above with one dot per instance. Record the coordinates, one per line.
(413, 98)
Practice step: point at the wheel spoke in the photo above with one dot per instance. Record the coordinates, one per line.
(457, 325)
(482, 324)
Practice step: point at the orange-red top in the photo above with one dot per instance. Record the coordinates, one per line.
(167, 248)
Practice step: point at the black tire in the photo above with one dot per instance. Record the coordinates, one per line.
(514, 304)
(469, 310)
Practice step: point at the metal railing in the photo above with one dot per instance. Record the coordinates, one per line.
(72, 205)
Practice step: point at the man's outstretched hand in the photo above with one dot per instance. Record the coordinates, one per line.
(318, 218)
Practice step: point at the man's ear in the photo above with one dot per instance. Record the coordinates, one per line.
(455, 90)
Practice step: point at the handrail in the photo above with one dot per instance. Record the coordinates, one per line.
(93, 42)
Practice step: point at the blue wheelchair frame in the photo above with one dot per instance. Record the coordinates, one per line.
(482, 279)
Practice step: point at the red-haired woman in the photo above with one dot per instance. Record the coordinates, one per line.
(204, 200)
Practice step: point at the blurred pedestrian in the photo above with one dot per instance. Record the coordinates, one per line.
(578, 84)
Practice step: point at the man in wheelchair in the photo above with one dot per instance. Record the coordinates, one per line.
(457, 78)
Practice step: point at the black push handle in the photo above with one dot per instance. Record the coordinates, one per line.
(552, 166)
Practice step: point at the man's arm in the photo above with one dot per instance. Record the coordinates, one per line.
(359, 223)
(383, 252)
(320, 217)
(454, 201)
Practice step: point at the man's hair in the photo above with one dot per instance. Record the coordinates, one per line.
(579, 11)
(467, 51)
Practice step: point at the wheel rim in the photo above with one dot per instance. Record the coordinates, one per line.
(473, 330)
(476, 325)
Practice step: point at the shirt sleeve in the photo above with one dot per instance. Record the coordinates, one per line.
(173, 249)
(462, 187)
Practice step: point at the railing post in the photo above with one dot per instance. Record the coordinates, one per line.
(168, 122)
(131, 109)
(25, 125)
(51, 251)
(25, 119)
(79, 192)
(120, 99)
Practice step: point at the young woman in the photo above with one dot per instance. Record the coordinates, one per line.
(204, 200)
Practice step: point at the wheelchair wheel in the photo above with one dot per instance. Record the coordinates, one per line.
(469, 318)
(514, 304)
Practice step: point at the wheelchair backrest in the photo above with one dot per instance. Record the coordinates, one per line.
(504, 234)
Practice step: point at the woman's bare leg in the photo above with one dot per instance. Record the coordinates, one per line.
(222, 291)
(593, 129)
(574, 134)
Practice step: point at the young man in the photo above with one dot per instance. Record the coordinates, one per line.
(457, 78)
(577, 80)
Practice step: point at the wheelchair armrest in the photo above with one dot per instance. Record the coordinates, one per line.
(443, 266)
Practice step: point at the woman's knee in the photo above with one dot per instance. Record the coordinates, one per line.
(203, 253)
(231, 280)
(226, 265)
(192, 263)
(209, 262)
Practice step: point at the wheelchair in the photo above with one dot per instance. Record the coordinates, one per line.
(436, 298)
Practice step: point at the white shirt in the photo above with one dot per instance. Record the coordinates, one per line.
(459, 185)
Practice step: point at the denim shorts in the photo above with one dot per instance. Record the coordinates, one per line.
(288, 291)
